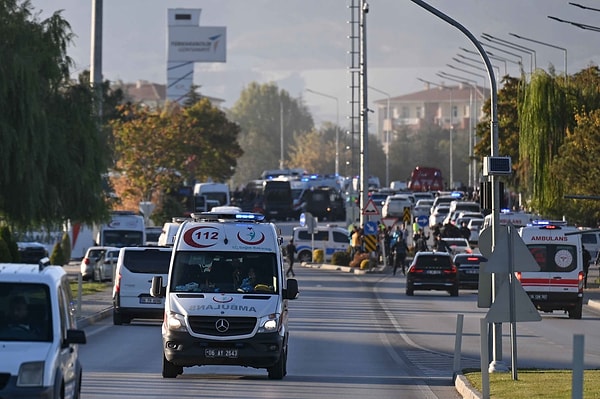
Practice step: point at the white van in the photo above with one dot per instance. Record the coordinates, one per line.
(131, 289)
(226, 296)
(558, 285)
(39, 343)
(329, 238)
(591, 242)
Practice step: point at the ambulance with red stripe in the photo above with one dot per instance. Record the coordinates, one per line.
(557, 249)
(226, 295)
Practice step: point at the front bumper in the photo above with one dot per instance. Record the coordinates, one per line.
(261, 351)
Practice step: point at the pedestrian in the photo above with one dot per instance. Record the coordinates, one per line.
(290, 251)
(587, 258)
(465, 232)
(440, 245)
(400, 250)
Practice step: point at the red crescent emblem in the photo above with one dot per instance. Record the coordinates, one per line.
(260, 240)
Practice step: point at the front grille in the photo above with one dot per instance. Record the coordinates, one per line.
(207, 325)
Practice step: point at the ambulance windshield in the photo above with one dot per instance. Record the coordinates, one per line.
(224, 272)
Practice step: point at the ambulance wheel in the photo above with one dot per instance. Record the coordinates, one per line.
(576, 312)
(278, 370)
(170, 370)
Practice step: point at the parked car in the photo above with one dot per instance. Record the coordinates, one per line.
(88, 263)
(468, 269)
(438, 214)
(104, 268)
(423, 207)
(31, 252)
(395, 205)
(458, 245)
(475, 226)
(432, 271)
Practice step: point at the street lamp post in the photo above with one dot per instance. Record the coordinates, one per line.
(337, 127)
(451, 127)
(513, 46)
(544, 44)
(387, 127)
(472, 123)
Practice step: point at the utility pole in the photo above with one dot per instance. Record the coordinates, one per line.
(96, 57)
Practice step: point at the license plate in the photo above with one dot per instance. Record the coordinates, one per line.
(148, 300)
(434, 272)
(539, 297)
(472, 272)
(228, 353)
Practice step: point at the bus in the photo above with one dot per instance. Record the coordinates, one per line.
(424, 178)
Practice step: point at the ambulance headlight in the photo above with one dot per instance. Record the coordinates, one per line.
(31, 374)
(175, 322)
(270, 323)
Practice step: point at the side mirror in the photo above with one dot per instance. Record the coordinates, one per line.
(156, 289)
(291, 292)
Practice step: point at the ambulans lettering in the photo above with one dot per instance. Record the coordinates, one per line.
(549, 238)
(232, 307)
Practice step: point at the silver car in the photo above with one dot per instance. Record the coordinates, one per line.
(104, 269)
(88, 263)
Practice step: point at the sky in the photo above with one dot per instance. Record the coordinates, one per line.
(304, 44)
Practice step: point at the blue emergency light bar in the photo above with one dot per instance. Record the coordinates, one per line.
(548, 223)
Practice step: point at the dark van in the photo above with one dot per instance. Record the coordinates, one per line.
(277, 199)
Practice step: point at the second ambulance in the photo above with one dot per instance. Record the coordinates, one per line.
(557, 249)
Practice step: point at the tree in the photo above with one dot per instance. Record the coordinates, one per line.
(312, 152)
(580, 150)
(50, 158)
(264, 114)
(543, 121)
(157, 150)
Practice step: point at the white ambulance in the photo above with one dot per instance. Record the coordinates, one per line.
(558, 285)
(226, 295)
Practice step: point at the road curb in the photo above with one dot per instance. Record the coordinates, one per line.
(346, 269)
(87, 321)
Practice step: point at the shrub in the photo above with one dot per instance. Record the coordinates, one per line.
(318, 256)
(340, 258)
(11, 244)
(57, 257)
(5, 255)
(65, 244)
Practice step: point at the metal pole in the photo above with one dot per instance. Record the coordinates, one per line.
(493, 148)
(364, 125)
(544, 44)
(386, 133)
(281, 135)
(513, 46)
(96, 56)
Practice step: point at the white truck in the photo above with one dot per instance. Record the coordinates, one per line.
(125, 229)
(226, 295)
(209, 194)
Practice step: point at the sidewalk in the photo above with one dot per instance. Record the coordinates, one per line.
(94, 307)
